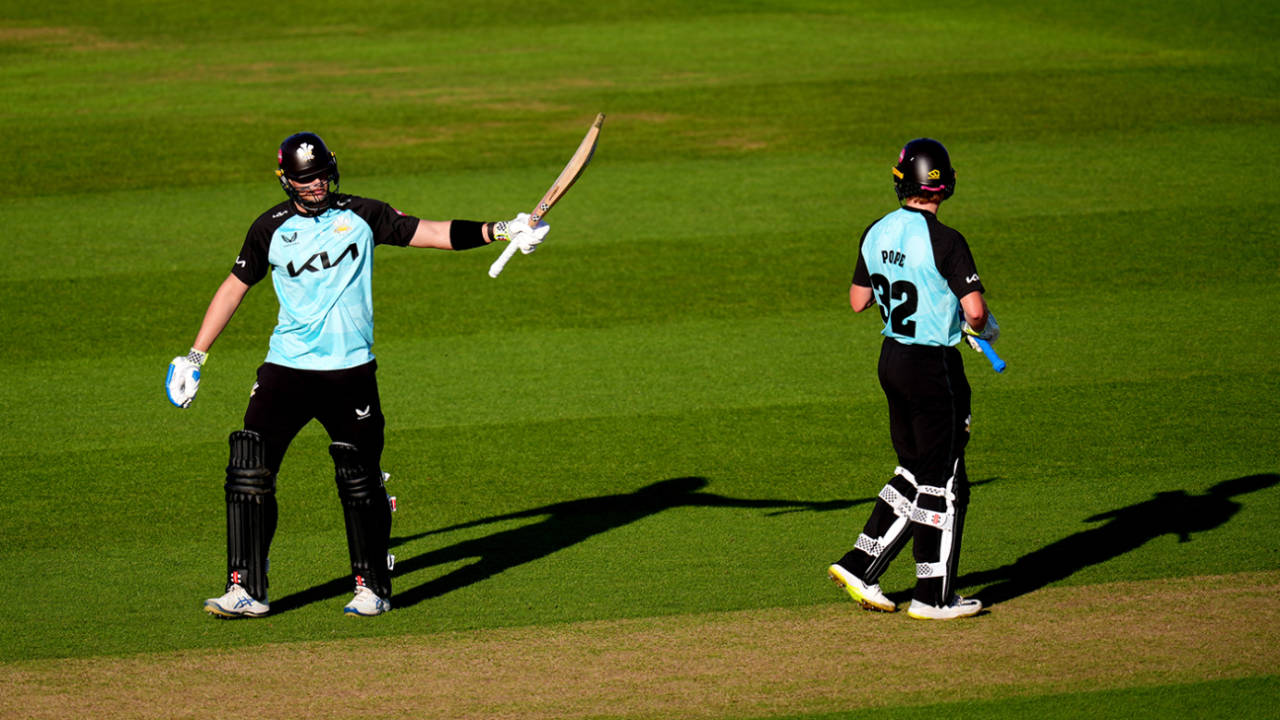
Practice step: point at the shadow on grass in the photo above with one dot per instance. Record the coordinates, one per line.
(1174, 512)
(561, 525)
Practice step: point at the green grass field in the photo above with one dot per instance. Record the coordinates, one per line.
(668, 414)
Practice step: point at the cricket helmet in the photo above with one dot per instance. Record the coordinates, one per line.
(303, 157)
(924, 167)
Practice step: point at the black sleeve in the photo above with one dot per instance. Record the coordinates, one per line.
(954, 260)
(252, 263)
(860, 275)
(390, 226)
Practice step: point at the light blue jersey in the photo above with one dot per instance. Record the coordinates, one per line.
(322, 271)
(918, 269)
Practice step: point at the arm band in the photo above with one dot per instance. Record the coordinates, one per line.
(466, 234)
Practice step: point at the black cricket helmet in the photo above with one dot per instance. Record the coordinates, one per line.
(924, 167)
(303, 157)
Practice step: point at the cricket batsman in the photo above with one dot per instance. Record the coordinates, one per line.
(317, 245)
(922, 276)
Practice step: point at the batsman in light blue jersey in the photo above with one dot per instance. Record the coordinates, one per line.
(899, 259)
(318, 246)
(921, 276)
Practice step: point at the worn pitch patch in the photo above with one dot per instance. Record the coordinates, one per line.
(790, 661)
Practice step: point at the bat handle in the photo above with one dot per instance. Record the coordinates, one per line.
(501, 262)
(997, 363)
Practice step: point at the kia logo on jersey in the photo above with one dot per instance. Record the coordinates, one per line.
(324, 262)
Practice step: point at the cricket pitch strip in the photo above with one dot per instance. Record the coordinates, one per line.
(754, 663)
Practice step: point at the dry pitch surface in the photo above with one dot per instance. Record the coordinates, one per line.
(740, 664)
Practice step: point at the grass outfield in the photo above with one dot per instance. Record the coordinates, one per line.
(668, 415)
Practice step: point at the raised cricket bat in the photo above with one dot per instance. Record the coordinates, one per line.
(568, 176)
(997, 363)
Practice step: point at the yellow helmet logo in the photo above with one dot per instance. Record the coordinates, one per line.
(934, 174)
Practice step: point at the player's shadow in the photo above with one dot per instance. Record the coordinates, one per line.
(1174, 512)
(560, 525)
(565, 524)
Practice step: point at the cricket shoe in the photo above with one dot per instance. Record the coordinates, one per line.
(236, 603)
(868, 596)
(958, 608)
(366, 603)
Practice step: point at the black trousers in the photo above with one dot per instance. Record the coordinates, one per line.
(345, 402)
(929, 401)
(929, 404)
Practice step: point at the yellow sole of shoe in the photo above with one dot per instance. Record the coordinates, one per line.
(864, 603)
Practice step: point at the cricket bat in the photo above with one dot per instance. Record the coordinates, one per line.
(997, 363)
(568, 176)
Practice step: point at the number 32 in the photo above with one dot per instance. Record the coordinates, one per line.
(897, 304)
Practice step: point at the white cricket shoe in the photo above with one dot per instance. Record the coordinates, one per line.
(958, 608)
(868, 596)
(366, 603)
(236, 603)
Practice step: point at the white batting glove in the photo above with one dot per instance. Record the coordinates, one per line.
(184, 378)
(518, 232)
(989, 333)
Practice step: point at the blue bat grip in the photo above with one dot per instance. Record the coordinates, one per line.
(997, 363)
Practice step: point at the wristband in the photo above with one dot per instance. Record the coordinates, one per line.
(466, 234)
(498, 231)
(195, 357)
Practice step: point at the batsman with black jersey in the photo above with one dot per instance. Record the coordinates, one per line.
(922, 276)
(318, 246)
